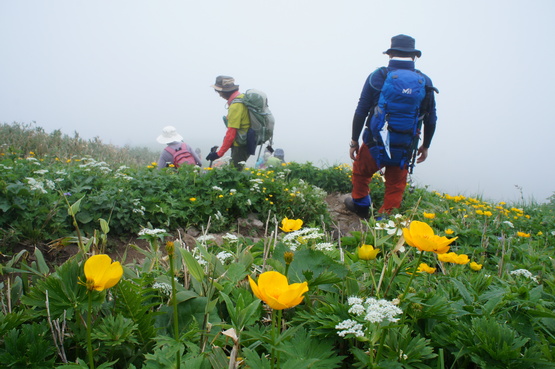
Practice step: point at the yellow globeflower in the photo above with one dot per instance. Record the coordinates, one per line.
(475, 266)
(367, 252)
(101, 273)
(429, 215)
(423, 267)
(421, 236)
(522, 234)
(454, 258)
(290, 225)
(274, 290)
(449, 231)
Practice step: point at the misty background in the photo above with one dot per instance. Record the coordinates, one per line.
(121, 70)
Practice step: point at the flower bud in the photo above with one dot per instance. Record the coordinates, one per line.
(288, 257)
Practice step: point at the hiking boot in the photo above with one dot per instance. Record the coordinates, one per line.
(361, 211)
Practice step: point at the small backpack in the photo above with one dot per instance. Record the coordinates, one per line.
(394, 125)
(262, 119)
(181, 156)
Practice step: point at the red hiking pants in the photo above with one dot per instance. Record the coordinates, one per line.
(364, 168)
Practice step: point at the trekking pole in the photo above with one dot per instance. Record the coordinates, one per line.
(415, 145)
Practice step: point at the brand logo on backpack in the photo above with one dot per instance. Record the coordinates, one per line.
(392, 134)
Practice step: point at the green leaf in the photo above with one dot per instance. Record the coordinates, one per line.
(41, 263)
(463, 291)
(104, 226)
(192, 265)
(74, 208)
(185, 295)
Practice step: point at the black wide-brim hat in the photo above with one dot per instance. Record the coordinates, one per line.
(403, 43)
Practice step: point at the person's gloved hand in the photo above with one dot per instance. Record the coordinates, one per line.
(212, 156)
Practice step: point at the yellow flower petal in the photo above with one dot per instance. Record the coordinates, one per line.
(274, 290)
(367, 252)
(421, 236)
(290, 225)
(101, 273)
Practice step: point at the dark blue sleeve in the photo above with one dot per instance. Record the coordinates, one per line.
(430, 118)
(368, 99)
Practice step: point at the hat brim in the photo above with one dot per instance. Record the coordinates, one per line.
(418, 53)
(164, 140)
(225, 89)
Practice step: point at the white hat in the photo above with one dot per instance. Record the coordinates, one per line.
(169, 134)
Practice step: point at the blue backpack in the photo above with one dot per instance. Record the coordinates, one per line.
(393, 129)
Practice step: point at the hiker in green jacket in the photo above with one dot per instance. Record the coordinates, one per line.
(237, 123)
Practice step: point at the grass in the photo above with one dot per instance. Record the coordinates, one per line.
(27, 137)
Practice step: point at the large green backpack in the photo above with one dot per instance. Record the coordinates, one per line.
(262, 119)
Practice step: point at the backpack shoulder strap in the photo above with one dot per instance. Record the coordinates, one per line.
(383, 71)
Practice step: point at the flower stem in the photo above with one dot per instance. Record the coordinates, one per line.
(412, 275)
(175, 315)
(371, 269)
(279, 333)
(272, 356)
(89, 328)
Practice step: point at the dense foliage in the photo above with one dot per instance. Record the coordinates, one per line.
(447, 282)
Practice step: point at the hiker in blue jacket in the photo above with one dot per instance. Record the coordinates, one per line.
(402, 54)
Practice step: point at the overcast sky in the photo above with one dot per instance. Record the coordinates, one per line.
(122, 70)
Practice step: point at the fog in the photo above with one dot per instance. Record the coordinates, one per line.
(122, 70)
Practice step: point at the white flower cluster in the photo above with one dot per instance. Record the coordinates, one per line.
(283, 174)
(391, 227)
(296, 238)
(200, 259)
(223, 256)
(230, 237)
(298, 192)
(218, 216)
(324, 246)
(5, 167)
(205, 237)
(39, 186)
(256, 184)
(41, 171)
(524, 273)
(216, 188)
(151, 232)
(373, 310)
(349, 326)
(139, 209)
(91, 163)
(123, 176)
(319, 192)
(165, 288)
